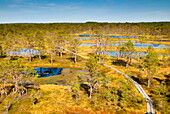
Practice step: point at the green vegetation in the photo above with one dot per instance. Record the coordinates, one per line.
(95, 89)
(128, 50)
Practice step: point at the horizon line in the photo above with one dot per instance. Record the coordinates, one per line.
(81, 22)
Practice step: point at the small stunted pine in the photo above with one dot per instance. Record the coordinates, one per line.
(151, 64)
(128, 50)
(94, 74)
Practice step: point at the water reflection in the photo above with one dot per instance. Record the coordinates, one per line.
(161, 40)
(23, 52)
(86, 38)
(46, 72)
(87, 44)
(123, 54)
(159, 46)
(124, 36)
(109, 36)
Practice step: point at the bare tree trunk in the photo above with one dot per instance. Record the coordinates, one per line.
(51, 59)
(127, 62)
(90, 91)
(39, 55)
(149, 81)
(61, 53)
(130, 60)
(8, 106)
(75, 58)
(9, 56)
(15, 89)
(30, 54)
(149, 78)
(30, 58)
(127, 65)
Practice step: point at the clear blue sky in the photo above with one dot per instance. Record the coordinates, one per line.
(48, 11)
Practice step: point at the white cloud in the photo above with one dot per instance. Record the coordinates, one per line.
(52, 6)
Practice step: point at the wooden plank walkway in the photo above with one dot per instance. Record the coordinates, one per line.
(149, 103)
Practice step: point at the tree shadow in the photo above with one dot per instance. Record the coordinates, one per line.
(3, 56)
(63, 54)
(167, 80)
(42, 56)
(85, 88)
(53, 61)
(140, 80)
(119, 63)
(72, 59)
(159, 80)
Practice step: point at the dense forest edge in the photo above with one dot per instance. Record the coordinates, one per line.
(140, 50)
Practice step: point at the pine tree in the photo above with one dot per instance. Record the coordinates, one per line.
(14, 71)
(128, 50)
(94, 74)
(151, 64)
(74, 46)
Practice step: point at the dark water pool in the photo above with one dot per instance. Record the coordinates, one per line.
(85, 35)
(52, 71)
(46, 72)
(124, 36)
(109, 36)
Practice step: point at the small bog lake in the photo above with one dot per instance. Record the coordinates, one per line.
(86, 38)
(23, 52)
(59, 76)
(46, 72)
(52, 71)
(122, 54)
(159, 46)
(109, 36)
(161, 40)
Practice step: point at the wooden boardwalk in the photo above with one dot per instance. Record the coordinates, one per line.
(149, 103)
